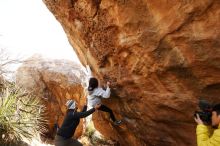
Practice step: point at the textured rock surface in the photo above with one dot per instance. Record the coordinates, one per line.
(55, 81)
(161, 57)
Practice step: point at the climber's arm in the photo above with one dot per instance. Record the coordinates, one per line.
(103, 93)
(83, 114)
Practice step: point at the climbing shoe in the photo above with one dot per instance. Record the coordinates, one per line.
(117, 122)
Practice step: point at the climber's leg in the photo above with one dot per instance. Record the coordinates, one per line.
(107, 109)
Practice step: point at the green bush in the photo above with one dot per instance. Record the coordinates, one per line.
(21, 115)
(90, 130)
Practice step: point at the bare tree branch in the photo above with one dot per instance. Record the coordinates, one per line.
(7, 62)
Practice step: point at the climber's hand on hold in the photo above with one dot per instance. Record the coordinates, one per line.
(108, 84)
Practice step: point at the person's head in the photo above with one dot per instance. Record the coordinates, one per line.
(71, 104)
(216, 115)
(93, 83)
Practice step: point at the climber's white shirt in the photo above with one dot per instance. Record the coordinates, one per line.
(93, 96)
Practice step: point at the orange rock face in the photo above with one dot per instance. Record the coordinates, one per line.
(55, 81)
(160, 56)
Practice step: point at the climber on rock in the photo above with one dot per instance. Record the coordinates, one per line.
(70, 123)
(95, 93)
(205, 134)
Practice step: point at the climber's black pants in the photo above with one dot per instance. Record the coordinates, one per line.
(106, 109)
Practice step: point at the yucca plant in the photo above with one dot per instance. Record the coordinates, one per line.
(21, 115)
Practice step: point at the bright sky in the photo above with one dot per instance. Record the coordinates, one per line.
(27, 27)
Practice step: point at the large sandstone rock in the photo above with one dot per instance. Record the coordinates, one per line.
(55, 81)
(161, 57)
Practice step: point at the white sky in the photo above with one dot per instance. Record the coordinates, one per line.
(28, 27)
